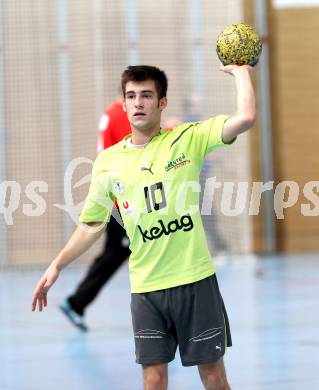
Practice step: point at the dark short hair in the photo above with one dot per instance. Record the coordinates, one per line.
(138, 73)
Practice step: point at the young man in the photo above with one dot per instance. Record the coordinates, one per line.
(175, 296)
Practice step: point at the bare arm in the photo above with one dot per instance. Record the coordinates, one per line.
(80, 242)
(245, 116)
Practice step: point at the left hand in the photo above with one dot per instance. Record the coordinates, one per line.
(233, 69)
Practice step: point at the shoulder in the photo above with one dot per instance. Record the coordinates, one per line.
(109, 152)
(208, 123)
(182, 128)
(180, 134)
(183, 131)
(104, 162)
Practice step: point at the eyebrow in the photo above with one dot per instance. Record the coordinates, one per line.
(144, 91)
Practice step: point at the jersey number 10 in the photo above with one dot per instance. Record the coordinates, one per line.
(155, 197)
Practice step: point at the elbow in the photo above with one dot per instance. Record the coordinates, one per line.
(249, 121)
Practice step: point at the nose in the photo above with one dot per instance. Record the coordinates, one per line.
(138, 102)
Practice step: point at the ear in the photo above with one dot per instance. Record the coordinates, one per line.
(163, 103)
(124, 107)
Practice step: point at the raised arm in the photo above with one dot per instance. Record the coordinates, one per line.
(80, 242)
(245, 116)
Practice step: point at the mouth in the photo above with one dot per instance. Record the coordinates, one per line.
(138, 114)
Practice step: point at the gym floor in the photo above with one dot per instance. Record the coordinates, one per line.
(272, 305)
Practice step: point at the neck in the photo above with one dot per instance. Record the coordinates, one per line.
(140, 138)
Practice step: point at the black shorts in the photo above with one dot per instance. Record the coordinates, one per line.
(192, 316)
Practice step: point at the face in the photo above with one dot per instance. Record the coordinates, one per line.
(143, 106)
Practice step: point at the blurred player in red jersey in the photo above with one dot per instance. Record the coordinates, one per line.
(113, 127)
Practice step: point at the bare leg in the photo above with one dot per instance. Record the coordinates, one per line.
(155, 377)
(213, 375)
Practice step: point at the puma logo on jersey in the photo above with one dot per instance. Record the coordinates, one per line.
(155, 232)
(148, 169)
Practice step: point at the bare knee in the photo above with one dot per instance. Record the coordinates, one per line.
(155, 377)
(214, 381)
(213, 376)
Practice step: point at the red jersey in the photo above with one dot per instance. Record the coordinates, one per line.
(113, 126)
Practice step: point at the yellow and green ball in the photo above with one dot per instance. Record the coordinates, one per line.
(239, 44)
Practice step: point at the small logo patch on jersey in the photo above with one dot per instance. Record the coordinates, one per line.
(126, 207)
(119, 187)
(177, 163)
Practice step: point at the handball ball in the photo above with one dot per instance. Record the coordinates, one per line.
(239, 44)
